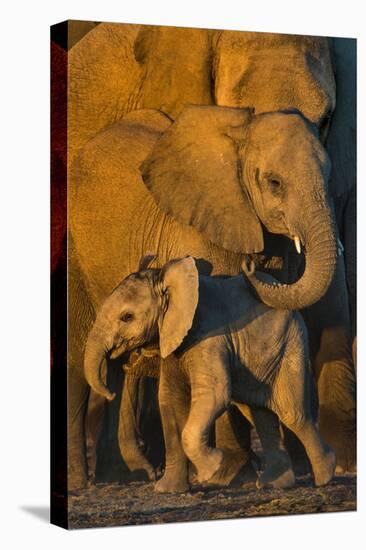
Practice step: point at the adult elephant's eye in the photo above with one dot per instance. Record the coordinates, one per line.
(127, 317)
(275, 184)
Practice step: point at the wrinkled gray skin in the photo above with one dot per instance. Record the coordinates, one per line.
(107, 162)
(311, 78)
(230, 348)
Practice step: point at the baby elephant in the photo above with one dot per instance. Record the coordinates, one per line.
(219, 345)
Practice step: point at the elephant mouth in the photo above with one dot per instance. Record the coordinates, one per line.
(151, 350)
(313, 236)
(117, 351)
(138, 355)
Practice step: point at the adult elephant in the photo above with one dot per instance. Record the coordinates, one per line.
(112, 70)
(118, 68)
(240, 170)
(274, 71)
(297, 73)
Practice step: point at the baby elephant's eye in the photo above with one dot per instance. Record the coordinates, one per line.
(126, 317)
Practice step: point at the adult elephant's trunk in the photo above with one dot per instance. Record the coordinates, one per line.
(318, 236)
(95, 353)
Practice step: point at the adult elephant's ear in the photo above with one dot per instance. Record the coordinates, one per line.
(180, 284)
(194, 175)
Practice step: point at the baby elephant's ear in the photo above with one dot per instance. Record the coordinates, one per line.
(147, 260)
(180, 281)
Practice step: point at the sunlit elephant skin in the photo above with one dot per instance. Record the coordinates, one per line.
(230, 347)
(112, 161)
(128, 53)
(118, 68)
(271, 72)
(229, 433)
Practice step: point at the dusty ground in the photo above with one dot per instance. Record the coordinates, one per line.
(136, 503)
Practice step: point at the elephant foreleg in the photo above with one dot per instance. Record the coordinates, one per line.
(128, 431)
(174, 400)
(78, 392)
(330, 339)
(210, 387)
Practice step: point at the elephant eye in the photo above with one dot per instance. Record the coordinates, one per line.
(127, 317)
(275, 184)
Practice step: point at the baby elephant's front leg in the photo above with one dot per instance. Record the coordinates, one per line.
(210, 397)
(174, 398)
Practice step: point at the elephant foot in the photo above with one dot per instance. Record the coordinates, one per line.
(209, 465)
(299, 459)
(324, 470)
(247, 476)
(172, 482)
(76, 472)
(235, 469)
(139, 475)
(341, 436)
(139, 467)
(76, 482)
(142, 473)
(278, 473)
(337, 412)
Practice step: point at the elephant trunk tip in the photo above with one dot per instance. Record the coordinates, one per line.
(105, 393)
(110, 395)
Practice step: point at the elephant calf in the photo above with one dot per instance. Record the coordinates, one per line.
(219, 345)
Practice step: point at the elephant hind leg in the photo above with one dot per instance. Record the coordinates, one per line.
(278, 472)
(232, 435)
(292, 401)
(321, 456)
(293, 407)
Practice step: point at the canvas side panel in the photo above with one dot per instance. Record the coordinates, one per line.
(59, 508)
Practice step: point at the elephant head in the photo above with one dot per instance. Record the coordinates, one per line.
(274, 72)
(228, 172)
(153, 307)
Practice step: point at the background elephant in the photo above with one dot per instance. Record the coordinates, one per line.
(210, 157)
(119, 68)
(127, 52)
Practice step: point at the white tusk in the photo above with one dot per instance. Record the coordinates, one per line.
(297, 244)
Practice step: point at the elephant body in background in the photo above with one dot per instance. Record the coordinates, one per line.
(116, 69)
(119, 68)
